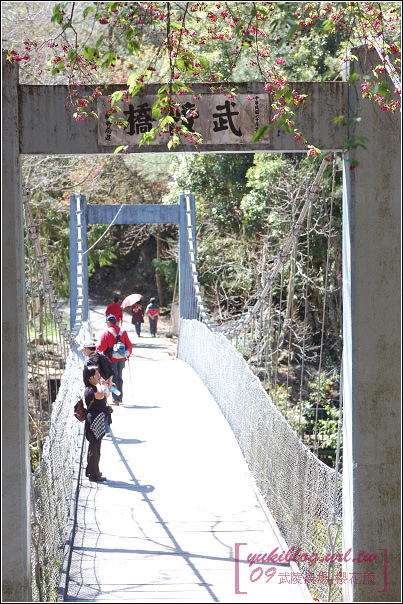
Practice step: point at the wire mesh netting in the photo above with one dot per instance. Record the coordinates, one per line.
(52, 482)
(48, 341)
(299, 489)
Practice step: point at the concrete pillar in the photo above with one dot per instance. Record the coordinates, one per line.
(372, 362)
(78, 260)
(16, 555)
(182, 256)
(187, 307)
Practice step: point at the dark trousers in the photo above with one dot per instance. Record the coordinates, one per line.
(117, 368)
(153, 326)
(93, 454)
(138, 328)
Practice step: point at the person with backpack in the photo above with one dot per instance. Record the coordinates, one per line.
(117, 347)
(95, 403)
(106, 372)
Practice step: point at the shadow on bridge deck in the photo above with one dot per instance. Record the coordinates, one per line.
(177, 500)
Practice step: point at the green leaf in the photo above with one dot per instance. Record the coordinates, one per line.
(353, 121)
(156, 109)
(60, 66)
(72, 55)
(290, 21)
(116, 96)
(87, 10)
(88, 52)
(353, 78)
(167, 119)
(382, 88)
(259, 133)
(148, 137)
(279, 95)
(133, 46)
(353, 162)
(131, 79)
(136, 89)
(58, 9)
(246, 37)
(288, 96)
(107, 58)
(338, 120)
(327, 25)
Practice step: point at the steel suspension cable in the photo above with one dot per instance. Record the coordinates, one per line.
(315, 447)
(279, 330)
(290, 319)
(334, 523)
(305, 327)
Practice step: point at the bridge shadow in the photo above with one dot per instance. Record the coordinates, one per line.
(95, 545)
(142, 406)
(127, 441)
(176, 548)
(119, 484)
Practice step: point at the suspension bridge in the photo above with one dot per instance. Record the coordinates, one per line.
(304, 505)
(178, 499)
(201, 495)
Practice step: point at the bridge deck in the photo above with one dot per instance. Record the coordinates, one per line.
(178, 498)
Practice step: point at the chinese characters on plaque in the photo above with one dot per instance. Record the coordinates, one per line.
(220, 120)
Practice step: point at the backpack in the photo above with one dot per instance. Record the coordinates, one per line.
(119, 350)
(80, 412)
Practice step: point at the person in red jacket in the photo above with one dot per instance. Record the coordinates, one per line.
(115, 310)
(152, 311)
(105, 346)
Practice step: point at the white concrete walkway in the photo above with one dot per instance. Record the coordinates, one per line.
(177, 500)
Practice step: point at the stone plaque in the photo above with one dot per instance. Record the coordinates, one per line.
(218, 118)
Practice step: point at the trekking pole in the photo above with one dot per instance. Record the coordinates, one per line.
(130, 373)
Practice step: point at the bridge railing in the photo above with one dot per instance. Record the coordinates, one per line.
(52, 482)
(297, 486)
(303, 493)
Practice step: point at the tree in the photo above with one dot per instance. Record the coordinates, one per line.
(110, 180)
(178, 43)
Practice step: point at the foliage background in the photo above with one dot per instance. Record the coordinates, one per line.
(245, 202)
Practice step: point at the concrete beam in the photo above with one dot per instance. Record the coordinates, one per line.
(133, 214)
(48, 127)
